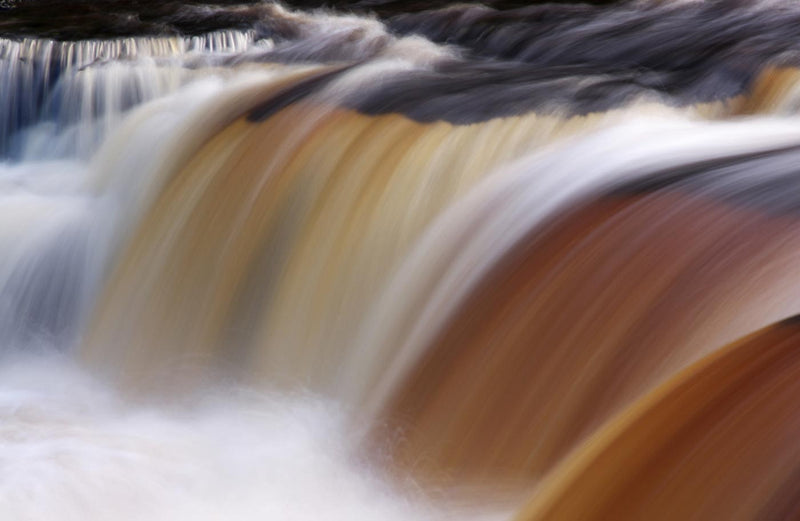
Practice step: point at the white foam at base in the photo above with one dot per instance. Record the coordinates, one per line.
(71, 449)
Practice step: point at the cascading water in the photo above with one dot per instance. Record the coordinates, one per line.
(439, 262)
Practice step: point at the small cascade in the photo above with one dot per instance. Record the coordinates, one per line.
(66, 85)
(493, 261)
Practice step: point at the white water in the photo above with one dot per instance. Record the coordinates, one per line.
(79, 173)
(70, 449)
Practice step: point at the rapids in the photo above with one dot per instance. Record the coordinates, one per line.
(379, 262)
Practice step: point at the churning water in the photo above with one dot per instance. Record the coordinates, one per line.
(455, 262)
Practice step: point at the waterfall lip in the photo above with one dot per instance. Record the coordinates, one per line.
(296, 92)
(728, 178)
(36, 67)
(472, 235)
(457, 83)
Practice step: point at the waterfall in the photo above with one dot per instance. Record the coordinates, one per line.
(380, 261)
